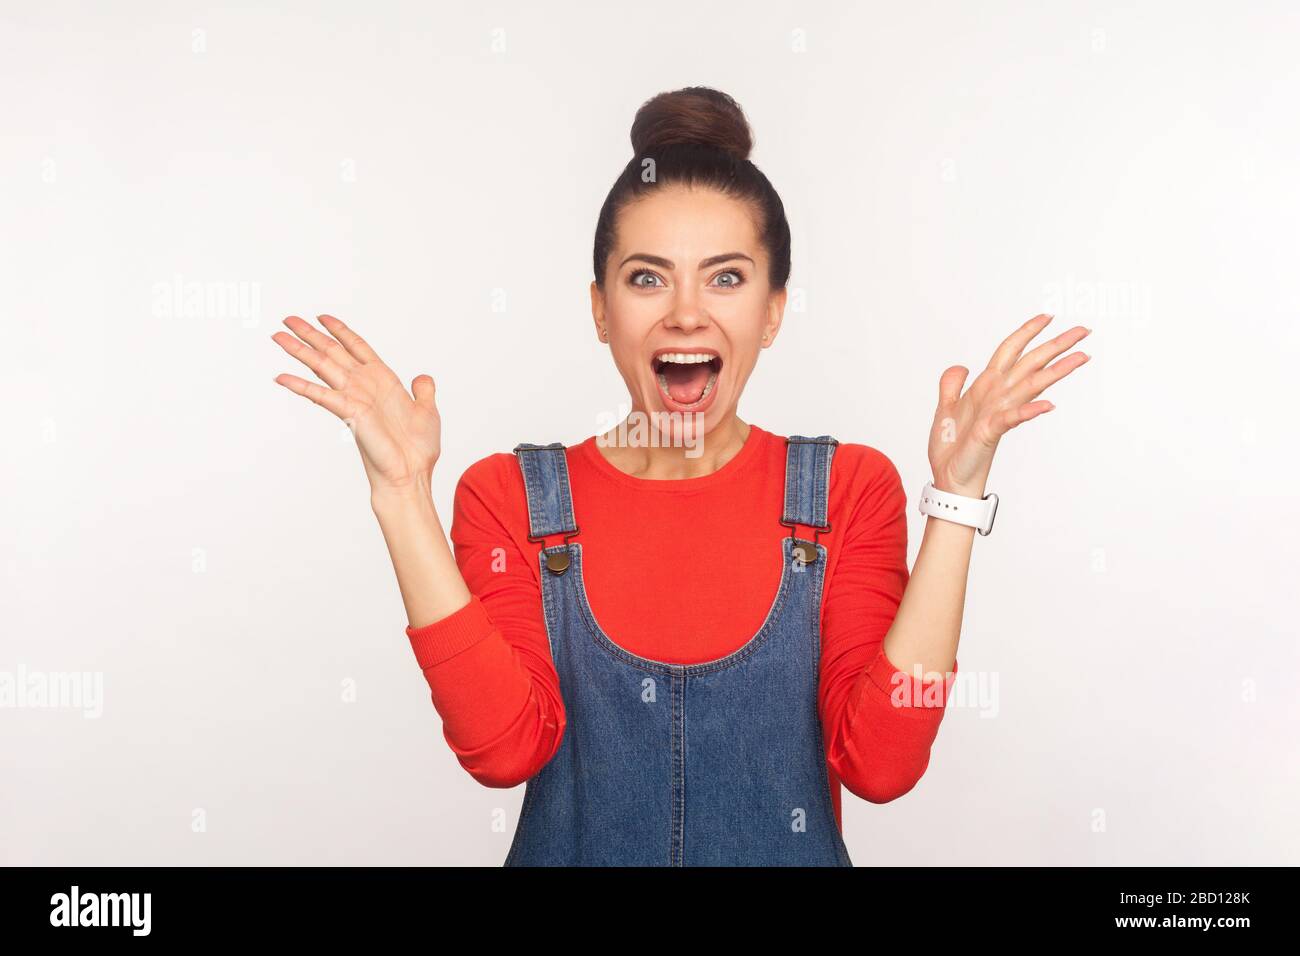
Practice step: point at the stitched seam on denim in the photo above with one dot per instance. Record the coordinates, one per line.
(820, 460)
(566, 494)
(759, 638)
(549, 609)
(532, 786)
(530, 791)
(824, 487)
(828, 804)
(677, 795)
(797, 490)
(559, 471)
(791, 456)
(819, 492)
(531, 494)
(546, 474)
(550, 489)
(537, 516)
(822, 494)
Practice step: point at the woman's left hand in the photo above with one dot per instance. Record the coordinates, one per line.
(967, 428)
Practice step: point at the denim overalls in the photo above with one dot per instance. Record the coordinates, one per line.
(712, 764)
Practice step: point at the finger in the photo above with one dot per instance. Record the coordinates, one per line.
(1015, 343)
(1012, 417)
(329, 372)
(422, 387)
(354, 343)
(1040, 380)
(950, 383)
(1040, 356)
(326, 398)
(320, 341)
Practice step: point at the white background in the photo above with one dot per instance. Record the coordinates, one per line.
(174, 520)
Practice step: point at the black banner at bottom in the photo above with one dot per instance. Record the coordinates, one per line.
(92, 906)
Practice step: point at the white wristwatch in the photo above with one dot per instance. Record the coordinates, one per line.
(975, 513)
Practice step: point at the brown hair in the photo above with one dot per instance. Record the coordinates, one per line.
(696, 136)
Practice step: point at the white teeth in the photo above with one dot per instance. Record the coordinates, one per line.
(686, 358)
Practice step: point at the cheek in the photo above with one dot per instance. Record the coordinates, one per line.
(630, 362)
(623, 299)
(743, 363)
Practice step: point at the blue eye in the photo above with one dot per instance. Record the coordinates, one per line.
(635, 277)
(637, 274)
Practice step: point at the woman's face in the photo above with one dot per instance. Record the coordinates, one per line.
(687, 303)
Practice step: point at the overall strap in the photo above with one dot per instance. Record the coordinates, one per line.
(807, 481)
(546, 482)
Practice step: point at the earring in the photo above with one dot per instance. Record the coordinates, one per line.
(604, 333)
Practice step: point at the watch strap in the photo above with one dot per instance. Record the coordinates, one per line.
(977, 513)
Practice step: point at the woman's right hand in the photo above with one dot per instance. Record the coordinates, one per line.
(399, 435)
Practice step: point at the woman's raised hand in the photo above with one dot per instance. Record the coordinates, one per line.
(967, 428)
(399, 435)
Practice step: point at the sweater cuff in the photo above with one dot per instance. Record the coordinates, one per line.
(436, 642)
(906, 690)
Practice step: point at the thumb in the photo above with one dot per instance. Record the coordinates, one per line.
(422, 388)
(950, 384)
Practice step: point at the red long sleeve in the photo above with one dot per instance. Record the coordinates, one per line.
(680, 571)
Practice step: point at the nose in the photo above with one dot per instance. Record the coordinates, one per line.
(686, 313)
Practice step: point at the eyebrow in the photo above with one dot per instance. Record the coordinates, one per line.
(667, 263)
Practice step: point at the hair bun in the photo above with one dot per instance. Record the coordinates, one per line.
(695, 114)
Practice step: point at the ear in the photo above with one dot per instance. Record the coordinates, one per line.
(775, 313)
(597, 307)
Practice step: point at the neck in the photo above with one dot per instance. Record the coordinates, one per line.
(703, 456)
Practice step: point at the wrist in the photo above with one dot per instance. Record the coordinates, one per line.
(400, 496)
(972, 488)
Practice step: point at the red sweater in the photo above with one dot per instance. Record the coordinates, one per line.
(682, 571)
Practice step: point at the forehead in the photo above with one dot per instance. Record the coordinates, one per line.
(687, 224)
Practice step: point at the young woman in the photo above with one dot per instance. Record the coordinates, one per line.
(687, 642)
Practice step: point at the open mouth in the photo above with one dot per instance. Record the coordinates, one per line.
(686, 378)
